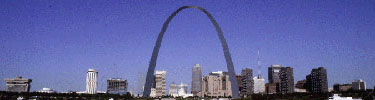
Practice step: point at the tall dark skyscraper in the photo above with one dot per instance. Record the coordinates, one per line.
(282, 78)
(247, 83)
(316, 81)
(286, 80)
(273, 74)
(196, 82)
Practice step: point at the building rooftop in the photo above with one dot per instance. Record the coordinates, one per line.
(118, 79)
(160, 72)
(275, 65)
(18, 79)
(92, 70)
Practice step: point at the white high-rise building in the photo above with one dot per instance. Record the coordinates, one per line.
(160, 84)
(91, 81)
(259, 86)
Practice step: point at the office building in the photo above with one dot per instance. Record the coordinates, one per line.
(160, 83)
(359, 85)
(216, 84)
(282, 77)
(196, 83)
(300, 86)
(91, 81)
(342, 87)
(259, 86)
(239, 82)
(273, 74)
(18, 84)
(247, 83)
(271, 88)
(117, 86)
(286, 80)
(316, 81)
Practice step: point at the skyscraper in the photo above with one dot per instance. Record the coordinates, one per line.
(239, 82)
(259, 86)
(282, 77)
(117, 86)
(358, 85)
(196, 83)
(273, 74)
(91, 81)
(286, 80)
(18, 84)
(160, 83)
(247, 83)
(316, 81)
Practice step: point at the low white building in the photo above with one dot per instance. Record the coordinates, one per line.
(46, 90)
(153, 92)
(337, 97)
(179, 90)
(259, 86)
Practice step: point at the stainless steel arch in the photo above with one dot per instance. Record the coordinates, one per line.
(228, 58)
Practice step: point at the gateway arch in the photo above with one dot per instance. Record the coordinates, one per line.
(155, 52)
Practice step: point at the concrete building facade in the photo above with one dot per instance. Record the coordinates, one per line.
(286, 80)
(216, 84)
(316, 81)
(117, 86)
(342, 87)
(160, 83)
(271, 88)
(18, 84)
(196, 82)
(273, 74)
(359, 85)
(259, 86)
(247, 82)
(239, 82)
(91, 81)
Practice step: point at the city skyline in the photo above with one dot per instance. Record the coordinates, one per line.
(52, 42)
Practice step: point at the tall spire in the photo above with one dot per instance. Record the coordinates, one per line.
(258, 64)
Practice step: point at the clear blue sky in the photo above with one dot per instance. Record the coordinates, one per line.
(55, 42)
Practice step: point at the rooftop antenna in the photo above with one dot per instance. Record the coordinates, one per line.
(116, 74)
(258, 64)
